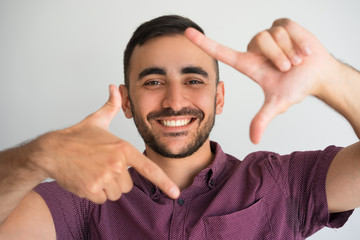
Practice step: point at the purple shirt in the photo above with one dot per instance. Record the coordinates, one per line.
(265, 196)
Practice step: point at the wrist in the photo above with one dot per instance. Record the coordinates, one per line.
(341, 92)
(37, 158)
(17, 169)
(330, 78)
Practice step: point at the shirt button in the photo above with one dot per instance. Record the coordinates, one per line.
(181, 201)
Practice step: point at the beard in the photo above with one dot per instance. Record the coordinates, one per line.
(153, 141)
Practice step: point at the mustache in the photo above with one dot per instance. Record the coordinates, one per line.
(168, 112)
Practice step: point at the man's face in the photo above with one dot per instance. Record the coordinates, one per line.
(173, 95)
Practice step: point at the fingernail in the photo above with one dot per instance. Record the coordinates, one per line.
(307, 51)
(285, 66)
(296, 60)
(174, 192)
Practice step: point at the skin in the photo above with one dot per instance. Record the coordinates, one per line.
(89, 161)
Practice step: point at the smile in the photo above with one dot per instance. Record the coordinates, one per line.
(175, 123)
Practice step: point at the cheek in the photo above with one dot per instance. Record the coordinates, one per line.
(146, 103)
(205, 102)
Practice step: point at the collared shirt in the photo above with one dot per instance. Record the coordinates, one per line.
(265, 196)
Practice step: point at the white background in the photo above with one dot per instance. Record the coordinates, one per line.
(57, 59)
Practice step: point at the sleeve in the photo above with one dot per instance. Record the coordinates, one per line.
(303, 177)
(69, 212)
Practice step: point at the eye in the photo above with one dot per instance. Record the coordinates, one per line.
(194, 82)
(152, 83)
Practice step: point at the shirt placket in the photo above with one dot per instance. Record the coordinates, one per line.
(179, 215)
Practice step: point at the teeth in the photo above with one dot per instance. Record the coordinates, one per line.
(175, 123)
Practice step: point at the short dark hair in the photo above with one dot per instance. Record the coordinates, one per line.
(161, 26)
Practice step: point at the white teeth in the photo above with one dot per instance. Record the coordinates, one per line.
(175, 123)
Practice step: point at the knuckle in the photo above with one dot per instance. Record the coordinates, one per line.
(100, 198)
(127, 187)
(94, 185)
(250, 46)
(118, 196)
(118, 166)
(288, 22)
(92, 188)
(113, 105)
(122, 148)
(278, 33)
(94, 193)
(115, 196)
(121, 151)
(281, 22)
(261, 37)
(106, 177)
(115, 163)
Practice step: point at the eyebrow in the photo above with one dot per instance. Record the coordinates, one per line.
(152, 70)
(160, 71)
(195, 70)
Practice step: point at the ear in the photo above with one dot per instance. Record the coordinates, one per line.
(126, 106)
(220, 97)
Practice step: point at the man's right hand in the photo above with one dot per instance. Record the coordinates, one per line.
(89, 161)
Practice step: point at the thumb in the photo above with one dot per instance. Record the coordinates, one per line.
(104, 115)
(266, 114)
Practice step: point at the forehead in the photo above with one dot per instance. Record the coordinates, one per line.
(170, 53)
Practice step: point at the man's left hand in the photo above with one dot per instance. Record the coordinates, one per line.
(287, 61)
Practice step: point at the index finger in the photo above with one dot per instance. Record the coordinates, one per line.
(153, 173)
(243, 62)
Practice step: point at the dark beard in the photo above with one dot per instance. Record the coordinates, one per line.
(151, 140)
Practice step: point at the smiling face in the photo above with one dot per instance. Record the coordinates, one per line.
(172, 96)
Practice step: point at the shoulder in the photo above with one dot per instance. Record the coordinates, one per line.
(30, 220)
(274, 159)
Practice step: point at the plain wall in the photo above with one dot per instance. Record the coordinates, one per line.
(57, 59)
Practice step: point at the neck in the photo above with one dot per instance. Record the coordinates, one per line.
(183, 170)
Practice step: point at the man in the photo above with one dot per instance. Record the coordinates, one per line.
(189, 189)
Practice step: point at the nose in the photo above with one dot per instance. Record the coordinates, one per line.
(175, 97)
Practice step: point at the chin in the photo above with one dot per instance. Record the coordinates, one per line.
(176, 150)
